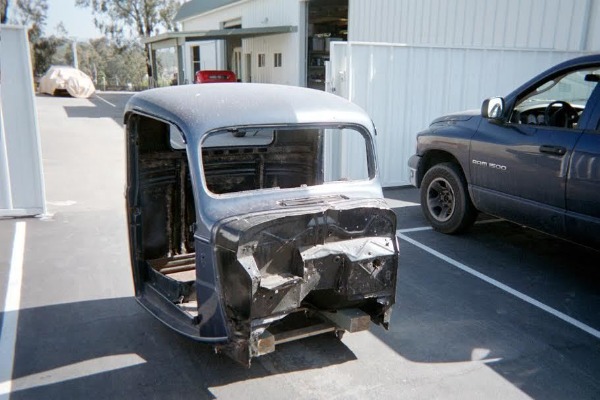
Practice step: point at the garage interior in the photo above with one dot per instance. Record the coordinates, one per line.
(327, 22)
(233, 46)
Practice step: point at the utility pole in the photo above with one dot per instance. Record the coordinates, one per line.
(74, 50)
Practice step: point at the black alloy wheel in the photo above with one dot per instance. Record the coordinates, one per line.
(445, 199)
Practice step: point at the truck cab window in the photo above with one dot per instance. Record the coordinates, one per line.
(558, 102)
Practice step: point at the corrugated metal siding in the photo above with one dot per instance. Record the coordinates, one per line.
(537, 24)
(288, 73)
(259, 13)
(593, 31)
(403, 88)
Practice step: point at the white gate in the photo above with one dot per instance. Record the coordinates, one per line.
(404, 87)
(21, 176)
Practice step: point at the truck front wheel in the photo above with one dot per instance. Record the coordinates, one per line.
(445, 199)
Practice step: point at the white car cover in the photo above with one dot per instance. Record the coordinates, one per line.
(75, 82)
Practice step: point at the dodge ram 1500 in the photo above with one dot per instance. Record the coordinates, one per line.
(532, 157)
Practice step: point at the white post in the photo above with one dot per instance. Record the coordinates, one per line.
(21, 173)
(74, 50)
(5, 191)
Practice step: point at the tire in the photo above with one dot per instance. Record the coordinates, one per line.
(445, 199)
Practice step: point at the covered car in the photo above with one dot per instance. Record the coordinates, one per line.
(246, 227)
(62, 80)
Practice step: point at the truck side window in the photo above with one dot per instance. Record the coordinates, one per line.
(559, 102)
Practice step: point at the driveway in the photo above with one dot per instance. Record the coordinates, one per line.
(501, 312)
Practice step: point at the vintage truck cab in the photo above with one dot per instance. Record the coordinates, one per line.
(248, 226)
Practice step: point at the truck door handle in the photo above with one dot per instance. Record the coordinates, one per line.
(556, 150)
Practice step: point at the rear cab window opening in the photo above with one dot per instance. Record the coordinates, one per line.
(241, 159)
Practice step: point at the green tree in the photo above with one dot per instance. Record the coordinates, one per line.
(120, 65)
(3, 11)
(31, 13)
(121, 19)
(44, 53)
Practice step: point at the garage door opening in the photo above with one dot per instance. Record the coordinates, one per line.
(327, 22)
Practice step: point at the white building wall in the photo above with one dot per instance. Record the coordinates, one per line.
(403, 88)
(264, 13)
(409, 61)
(260, 13)
(572, 25)
(254, 14)
(288, 73)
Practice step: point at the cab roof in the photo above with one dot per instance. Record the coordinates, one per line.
(198, 109)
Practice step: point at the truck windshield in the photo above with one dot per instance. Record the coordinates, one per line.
(257, 158)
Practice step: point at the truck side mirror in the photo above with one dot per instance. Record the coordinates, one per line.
(493, 108)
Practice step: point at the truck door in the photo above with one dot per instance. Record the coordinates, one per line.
(583, 183)
(519, 168)
(519, 172)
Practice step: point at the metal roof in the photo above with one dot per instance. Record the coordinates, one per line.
(197, 109)
(197, 7)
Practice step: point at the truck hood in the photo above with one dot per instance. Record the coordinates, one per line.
(459, 116)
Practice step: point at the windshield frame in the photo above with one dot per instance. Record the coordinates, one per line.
(362, 130)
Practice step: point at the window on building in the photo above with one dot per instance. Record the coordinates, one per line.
(261, 60)
(277, 60)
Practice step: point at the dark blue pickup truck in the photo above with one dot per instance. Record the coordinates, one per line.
(532, 157)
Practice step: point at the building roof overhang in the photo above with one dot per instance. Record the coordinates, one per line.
(170, 39)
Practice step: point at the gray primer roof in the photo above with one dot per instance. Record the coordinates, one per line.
(197, 7)
(197, 109)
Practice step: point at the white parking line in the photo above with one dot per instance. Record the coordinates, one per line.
(418, 229)
(106, 101)
(428, 228)
(10, 318)
(502, 286)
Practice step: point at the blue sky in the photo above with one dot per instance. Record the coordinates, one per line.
(78, 21)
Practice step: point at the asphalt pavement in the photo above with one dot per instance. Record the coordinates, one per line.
(502, 312)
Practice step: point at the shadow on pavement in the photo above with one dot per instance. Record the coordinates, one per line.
(92, 112)
(114, 349)
(110, 105)
(444, 315)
